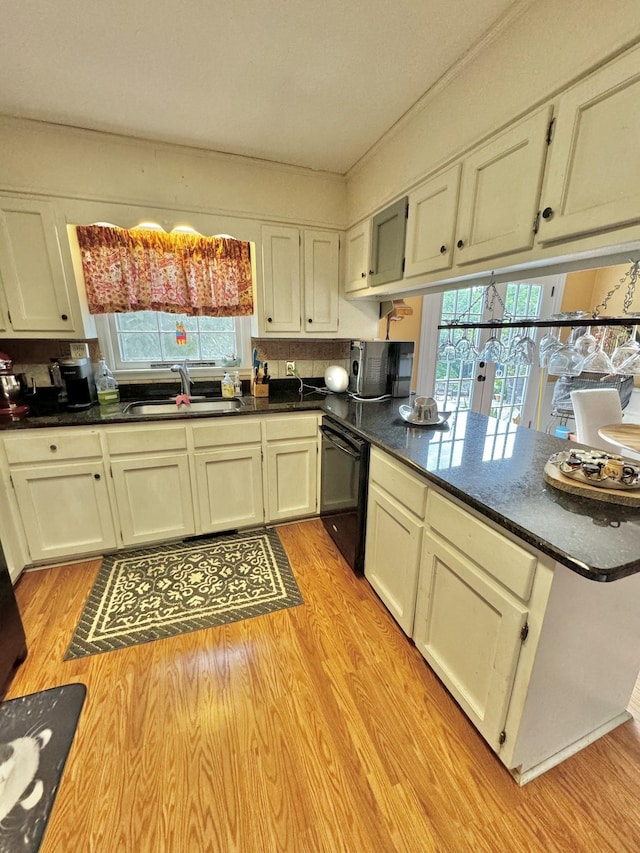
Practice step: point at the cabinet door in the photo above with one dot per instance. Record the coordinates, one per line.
(593, 180)
(281, 278)
(65, 509)
(153, 496)
(431, 224)
(357, 244)
(229, 488)
(292, 479)
(321, 281)
(32, 269)
(500, 191)
(388, 230)
(392, 557)
(468, 630)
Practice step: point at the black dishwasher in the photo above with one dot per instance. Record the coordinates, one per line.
(343, 490)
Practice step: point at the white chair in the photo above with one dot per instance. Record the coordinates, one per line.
(594, 408)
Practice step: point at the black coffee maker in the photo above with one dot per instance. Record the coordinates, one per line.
(77, 374)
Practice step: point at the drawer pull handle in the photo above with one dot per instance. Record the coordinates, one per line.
(53, 447)
(96, 476)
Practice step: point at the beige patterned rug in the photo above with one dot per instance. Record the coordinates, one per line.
(154, 593)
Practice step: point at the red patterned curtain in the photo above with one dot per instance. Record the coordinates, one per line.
(140, 270)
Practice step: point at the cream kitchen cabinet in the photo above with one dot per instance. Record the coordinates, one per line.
(227, 462)
(388, 236)
(60, 487)
(357, 248)
(431, 224)
(301, 269)
(470, 631)
(500, 192)
(481, 208)
(151, 481)
(593, 179)
(395, 515)
(291, 481)
(38, 297)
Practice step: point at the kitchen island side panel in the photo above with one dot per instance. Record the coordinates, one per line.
(586, 665)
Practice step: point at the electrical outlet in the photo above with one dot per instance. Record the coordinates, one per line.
(79, 350)
(290, 368)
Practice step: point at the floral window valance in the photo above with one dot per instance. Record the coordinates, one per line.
(143, 270)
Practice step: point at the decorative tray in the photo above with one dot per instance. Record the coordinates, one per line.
(597, 468)
(406, 413)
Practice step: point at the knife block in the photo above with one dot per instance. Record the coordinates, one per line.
(259, 389)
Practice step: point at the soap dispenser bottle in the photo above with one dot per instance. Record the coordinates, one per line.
(227, 386)
(106, 386)
(237, 384)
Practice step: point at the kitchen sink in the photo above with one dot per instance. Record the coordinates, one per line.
(162, 407)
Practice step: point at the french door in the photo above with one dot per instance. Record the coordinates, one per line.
(460, 367)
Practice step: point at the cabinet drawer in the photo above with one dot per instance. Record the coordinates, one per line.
(51, 446)
(299, 426)
(227, 431)
(146, 440)
(505, 561)
(396, 479)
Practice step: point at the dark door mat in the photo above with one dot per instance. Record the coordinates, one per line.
(36, 733)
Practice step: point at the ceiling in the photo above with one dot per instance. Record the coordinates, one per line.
(313, 83)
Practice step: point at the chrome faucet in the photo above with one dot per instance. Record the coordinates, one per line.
(185, 379)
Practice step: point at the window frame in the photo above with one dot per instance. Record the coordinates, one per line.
(107, 337)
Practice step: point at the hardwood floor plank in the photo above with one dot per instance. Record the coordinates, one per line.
(317, 728)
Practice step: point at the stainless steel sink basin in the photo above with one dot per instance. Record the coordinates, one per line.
(162, 407)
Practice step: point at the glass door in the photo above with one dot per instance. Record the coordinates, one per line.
(491, 371)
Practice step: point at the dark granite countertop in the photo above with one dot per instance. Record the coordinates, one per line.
(497, 468)
(492, 466)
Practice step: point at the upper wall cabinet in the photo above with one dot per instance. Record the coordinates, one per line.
(301, 274)
(357, 245)
(321, 281)
(281, 278)
(38, 286)
(500, 191)
(593, 180)
(388, 230)
(482, 208)
(431, 223)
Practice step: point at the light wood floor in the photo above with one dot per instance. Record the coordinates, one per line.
(318, 728)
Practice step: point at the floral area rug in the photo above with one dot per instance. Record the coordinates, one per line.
(154, 593)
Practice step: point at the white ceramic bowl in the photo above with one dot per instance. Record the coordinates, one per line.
(336, 379)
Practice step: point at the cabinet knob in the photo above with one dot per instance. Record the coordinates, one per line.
(547, 213)
(96, 476)
(53, 447)
(460, 244)
(64, 317)
(269, 319)
(371, 272)
(309, 320)
(363, 275)
(443, 249)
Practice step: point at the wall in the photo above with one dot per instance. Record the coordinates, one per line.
(86, 165)
(546, 47)
(406, 329)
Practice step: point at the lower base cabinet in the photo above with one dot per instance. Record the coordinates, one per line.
(470, 631)
(229, 488)
(395, 520)
(291, 470)
(65, 509)
(74, 492)
(541, 660)
(153, 496)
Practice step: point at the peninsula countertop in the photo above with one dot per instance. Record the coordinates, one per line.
(496, 468)
(493, 466)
